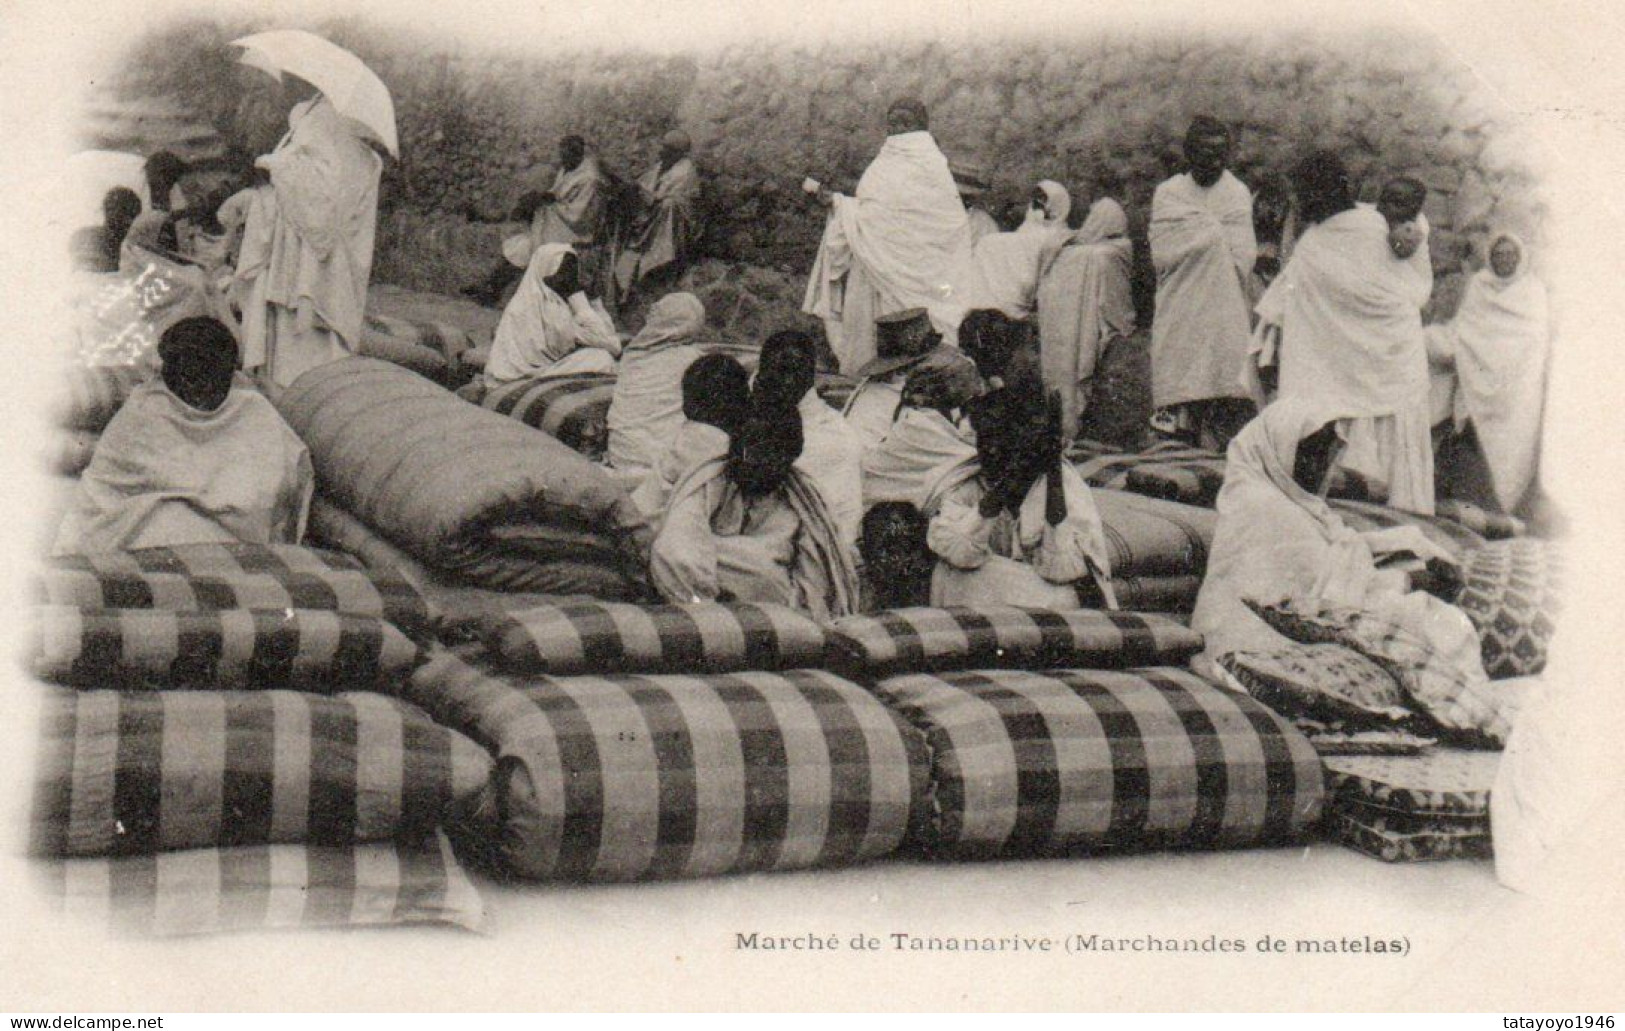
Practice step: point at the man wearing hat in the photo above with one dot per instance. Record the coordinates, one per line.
(903, 340)
(660, 240)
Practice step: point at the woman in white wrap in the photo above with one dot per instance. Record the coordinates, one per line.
(307, 250)
(542, 334)
(1085, 304)
(901, 242)
(1497, 345)
(647, 407)
(1203, 248)
(1277, 539)
(1348, 318)
(1005, 268)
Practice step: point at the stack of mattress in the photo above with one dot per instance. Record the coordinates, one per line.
(464, 491)
(1411, 808)
(1158, 551)
(222, 747)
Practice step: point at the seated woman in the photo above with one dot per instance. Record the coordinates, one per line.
(550, 328)
(96, 248)
(1497, 345)
(1085, 305)
(832, 451)
(647, 406)
(195, 455)
(750, 527)
(716, 399)
(1277, 539)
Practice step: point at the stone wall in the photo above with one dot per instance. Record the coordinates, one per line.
(1094, 111)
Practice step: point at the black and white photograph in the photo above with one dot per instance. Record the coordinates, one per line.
(699, 505)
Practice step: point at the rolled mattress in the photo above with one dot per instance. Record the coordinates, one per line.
(459, 488)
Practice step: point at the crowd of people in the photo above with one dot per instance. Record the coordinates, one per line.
(972, 347)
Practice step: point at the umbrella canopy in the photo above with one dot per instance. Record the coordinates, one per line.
(349, 85)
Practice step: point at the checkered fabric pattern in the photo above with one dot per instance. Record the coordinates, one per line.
(602, 637)
(214, 577)
(631, 777)
(1467, 708)
(997, 637)
(1085, 760)
(96, 394)
(573, 409)
(1511, 593)
(266, 887)
(122, 773)
(1321, 681)
(1150, 537)
(1446, 782)
(297, 649)
(1492, 526)
(1454, 537)
(1381, 838)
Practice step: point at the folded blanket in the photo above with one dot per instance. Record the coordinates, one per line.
(595, 637)
(143, 771)
(459, 488)
(234, 649)
(1176, 472)
(1454, 537)
(638, 777)
(267, 887)
(216, 577)
(573, 409)
(397, 342)
(449, 325)
(1029, 764)
(1512, 594)
(1151, 537)
(919, 640)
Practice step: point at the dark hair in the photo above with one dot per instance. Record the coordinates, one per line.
(573, 140)
(915, 107)
(716, 391)
(1402, 199)
(787, 368)
(762, 453)
(990, 337)
(1321, 183)
(165, 168)
(896, 556)
(199, 358)
(1203, 126)
(120, 207)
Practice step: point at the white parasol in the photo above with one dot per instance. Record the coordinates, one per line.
(349, 85)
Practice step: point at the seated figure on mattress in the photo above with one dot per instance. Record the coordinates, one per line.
(647, 406)
(195, 455)
(1277, 540)
(716, 399)
(1015, 524)
(748, 526)
(551, 327)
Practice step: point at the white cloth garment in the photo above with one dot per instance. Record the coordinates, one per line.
(1085, 301)
(1498, 346)
(1203, 248)
(901, 242)
(1275, 541)
(541, 331)
(1348, 317)
(647, 406)
(831, 458)
(312, 246)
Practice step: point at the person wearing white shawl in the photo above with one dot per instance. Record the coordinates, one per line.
(310, 246)
(1497, 345)
(662, 237)
(543, 335)
(1277, 539)
(196, 455)
(647, 406)
(1203, 248)
(902, 241)
(1005, 268)
(1347, 315)
(1085, 303)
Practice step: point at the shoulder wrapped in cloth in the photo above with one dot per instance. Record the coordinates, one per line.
(542, 335)
(1085, 301)
(901, 242)
(1276, 541)
(1203, 248)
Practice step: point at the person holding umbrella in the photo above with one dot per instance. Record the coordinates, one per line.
(307, 249)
